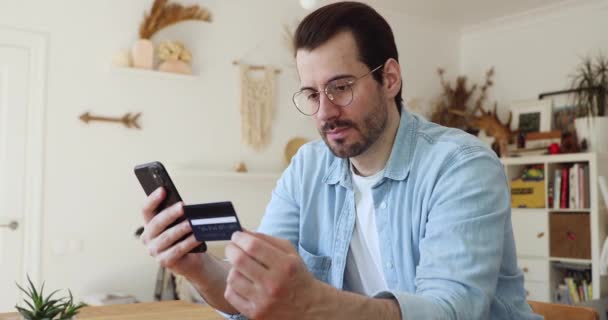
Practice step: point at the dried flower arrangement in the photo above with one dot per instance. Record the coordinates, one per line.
(173, 50)
(161, 15)
(175, 57)
(452, 111)
(164, 14)
(454, 98)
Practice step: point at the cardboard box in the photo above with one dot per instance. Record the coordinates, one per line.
(570, 235)
(527, 193)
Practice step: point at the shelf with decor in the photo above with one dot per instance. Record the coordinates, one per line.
(151, 73)
(559, 241)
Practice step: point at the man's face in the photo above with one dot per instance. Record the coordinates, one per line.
(348, 131)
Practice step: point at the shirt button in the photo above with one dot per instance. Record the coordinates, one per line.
(383, 205)
(390, 265)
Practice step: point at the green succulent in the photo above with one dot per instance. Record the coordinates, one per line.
(41, 307)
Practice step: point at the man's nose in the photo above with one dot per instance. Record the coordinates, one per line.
(327, 109)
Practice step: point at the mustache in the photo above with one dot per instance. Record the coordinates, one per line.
(328, 126)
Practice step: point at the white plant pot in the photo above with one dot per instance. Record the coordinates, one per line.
(595, 131)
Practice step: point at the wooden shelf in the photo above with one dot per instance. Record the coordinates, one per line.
(571, 260)
(556, 158)
(529, 210)
(148, 73)
(584, 210)
(223, 174)
(229, 174)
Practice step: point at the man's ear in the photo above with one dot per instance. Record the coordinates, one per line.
(392, 77)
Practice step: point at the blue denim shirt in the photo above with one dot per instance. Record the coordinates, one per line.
(443, 219)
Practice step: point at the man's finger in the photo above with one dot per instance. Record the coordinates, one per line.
(169, 257)
(151, 203)
(279, 243)
(239, 302)
(169, 237)
(243, 263)
(257, 248)
(243, 286)
(161, 221)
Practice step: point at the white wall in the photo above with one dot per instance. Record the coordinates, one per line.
(91, 196)
(535, 52)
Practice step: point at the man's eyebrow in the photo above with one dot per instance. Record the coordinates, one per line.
(336, 77)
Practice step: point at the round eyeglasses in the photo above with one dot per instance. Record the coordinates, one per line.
(338, 91)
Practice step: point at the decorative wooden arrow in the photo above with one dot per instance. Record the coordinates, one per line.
(130, 121)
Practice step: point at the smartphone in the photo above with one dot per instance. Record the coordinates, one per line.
(153, 175)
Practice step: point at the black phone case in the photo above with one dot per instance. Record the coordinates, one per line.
(153, 175)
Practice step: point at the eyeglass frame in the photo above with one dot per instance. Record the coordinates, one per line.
(350, 84)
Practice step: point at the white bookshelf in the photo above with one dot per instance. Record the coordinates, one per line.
(531, 227)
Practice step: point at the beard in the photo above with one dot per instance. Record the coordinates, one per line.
(370, 129)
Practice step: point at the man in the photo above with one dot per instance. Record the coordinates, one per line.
(389, 217)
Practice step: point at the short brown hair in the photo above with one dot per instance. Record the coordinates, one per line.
(373, 35)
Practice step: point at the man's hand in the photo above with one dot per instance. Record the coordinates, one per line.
(160, 242)
(268, 279)
(207, 274)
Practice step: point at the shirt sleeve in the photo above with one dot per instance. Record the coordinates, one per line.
(282, 216)
(462, 246)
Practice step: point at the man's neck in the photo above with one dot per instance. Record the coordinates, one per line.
(375, 157)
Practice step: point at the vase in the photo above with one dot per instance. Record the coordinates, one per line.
(142, 54)
(595, 131)
(175, 66)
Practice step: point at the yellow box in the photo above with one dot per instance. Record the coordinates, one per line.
(527, 193)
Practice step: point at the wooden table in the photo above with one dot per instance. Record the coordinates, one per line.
(150, 311)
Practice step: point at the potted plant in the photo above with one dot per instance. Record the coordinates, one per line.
(590, 82)
(40, 307)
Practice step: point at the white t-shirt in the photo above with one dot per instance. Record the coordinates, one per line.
(363, 272)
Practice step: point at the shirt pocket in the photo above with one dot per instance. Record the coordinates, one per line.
(319, 266)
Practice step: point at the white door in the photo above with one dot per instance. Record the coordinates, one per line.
(14, 65)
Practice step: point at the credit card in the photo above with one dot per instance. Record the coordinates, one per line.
(212, 221)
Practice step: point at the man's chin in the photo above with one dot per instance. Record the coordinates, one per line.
(341, 149)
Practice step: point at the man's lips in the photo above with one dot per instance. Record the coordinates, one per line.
(337, 133)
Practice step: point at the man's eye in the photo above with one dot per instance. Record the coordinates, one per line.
(341, 87)
(313, 96)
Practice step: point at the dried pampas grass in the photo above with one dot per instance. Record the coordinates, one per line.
(164, 14)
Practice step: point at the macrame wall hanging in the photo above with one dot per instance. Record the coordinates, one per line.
(258, 96)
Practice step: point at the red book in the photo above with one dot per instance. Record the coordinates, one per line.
(565, 186)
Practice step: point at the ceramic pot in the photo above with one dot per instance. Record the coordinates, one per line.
(142, 54)
(595, 131)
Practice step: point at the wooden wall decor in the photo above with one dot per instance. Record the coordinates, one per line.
(128, 120)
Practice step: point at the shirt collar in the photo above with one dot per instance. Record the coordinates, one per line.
(398, 164)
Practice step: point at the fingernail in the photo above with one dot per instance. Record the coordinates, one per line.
(234, 235)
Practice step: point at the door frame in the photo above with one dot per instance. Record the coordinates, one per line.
(36, 44)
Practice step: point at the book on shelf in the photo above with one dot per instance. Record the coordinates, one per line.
(562, 295)
(564, 195)
(575, 286)
(572, 287)
(571, 187)
(557, 189)
(543, 140)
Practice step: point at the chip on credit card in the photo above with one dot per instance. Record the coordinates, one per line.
(212, 221)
